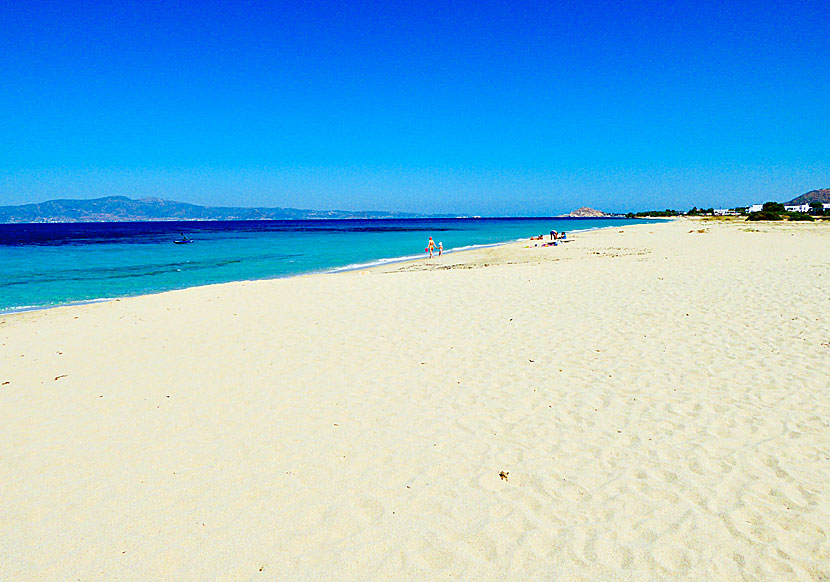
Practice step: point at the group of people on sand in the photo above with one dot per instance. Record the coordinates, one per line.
(432, 247)
(554, 236)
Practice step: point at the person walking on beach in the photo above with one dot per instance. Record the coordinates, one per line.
(440, 248)
(430, 248)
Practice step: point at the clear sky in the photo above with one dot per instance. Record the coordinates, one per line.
(476, 107)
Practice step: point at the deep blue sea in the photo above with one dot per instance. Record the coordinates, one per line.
(44, 265)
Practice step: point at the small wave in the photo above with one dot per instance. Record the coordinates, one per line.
(28, 308)
(404, 258)
(375, 263)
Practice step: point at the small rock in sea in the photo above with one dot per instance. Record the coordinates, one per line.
(503, 475)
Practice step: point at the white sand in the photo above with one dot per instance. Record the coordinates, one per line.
(659, 398)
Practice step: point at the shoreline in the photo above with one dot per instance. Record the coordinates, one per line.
(345, 269)
(412, 258)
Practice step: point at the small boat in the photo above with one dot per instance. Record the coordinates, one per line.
(183, 241)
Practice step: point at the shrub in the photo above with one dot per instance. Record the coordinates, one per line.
(772, 207)
(657, 213)
(799, 216)
(763, 215)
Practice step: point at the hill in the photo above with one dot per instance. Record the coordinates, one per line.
(822, 196)
(123, 209)
(586, 212)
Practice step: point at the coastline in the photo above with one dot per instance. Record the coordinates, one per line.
(653, 394)
(324, 271)
(420, 257)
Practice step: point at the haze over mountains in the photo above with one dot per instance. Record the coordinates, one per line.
(123, 209)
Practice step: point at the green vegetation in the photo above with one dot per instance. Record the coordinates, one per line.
(763, 215)
(695, 211)
(776, 211)
(799, 216)
(770, 211)
(654, 213)
(817, 209)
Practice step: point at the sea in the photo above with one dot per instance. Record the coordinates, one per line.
(49, 264)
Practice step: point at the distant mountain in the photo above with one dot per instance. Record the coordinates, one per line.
(822, 196)
(586, 212)
(123, 209)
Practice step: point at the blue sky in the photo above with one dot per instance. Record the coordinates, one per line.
(470, 107)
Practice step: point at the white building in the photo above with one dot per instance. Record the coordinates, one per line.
(788, 207)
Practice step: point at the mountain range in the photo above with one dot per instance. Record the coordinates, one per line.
(123, 209)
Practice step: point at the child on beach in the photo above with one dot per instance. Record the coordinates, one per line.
(440, 248)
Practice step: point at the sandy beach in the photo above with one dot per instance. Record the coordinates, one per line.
(644, 403)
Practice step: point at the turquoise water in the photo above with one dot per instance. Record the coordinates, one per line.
(43, 265)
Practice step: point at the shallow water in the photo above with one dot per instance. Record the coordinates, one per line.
(44, 265)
